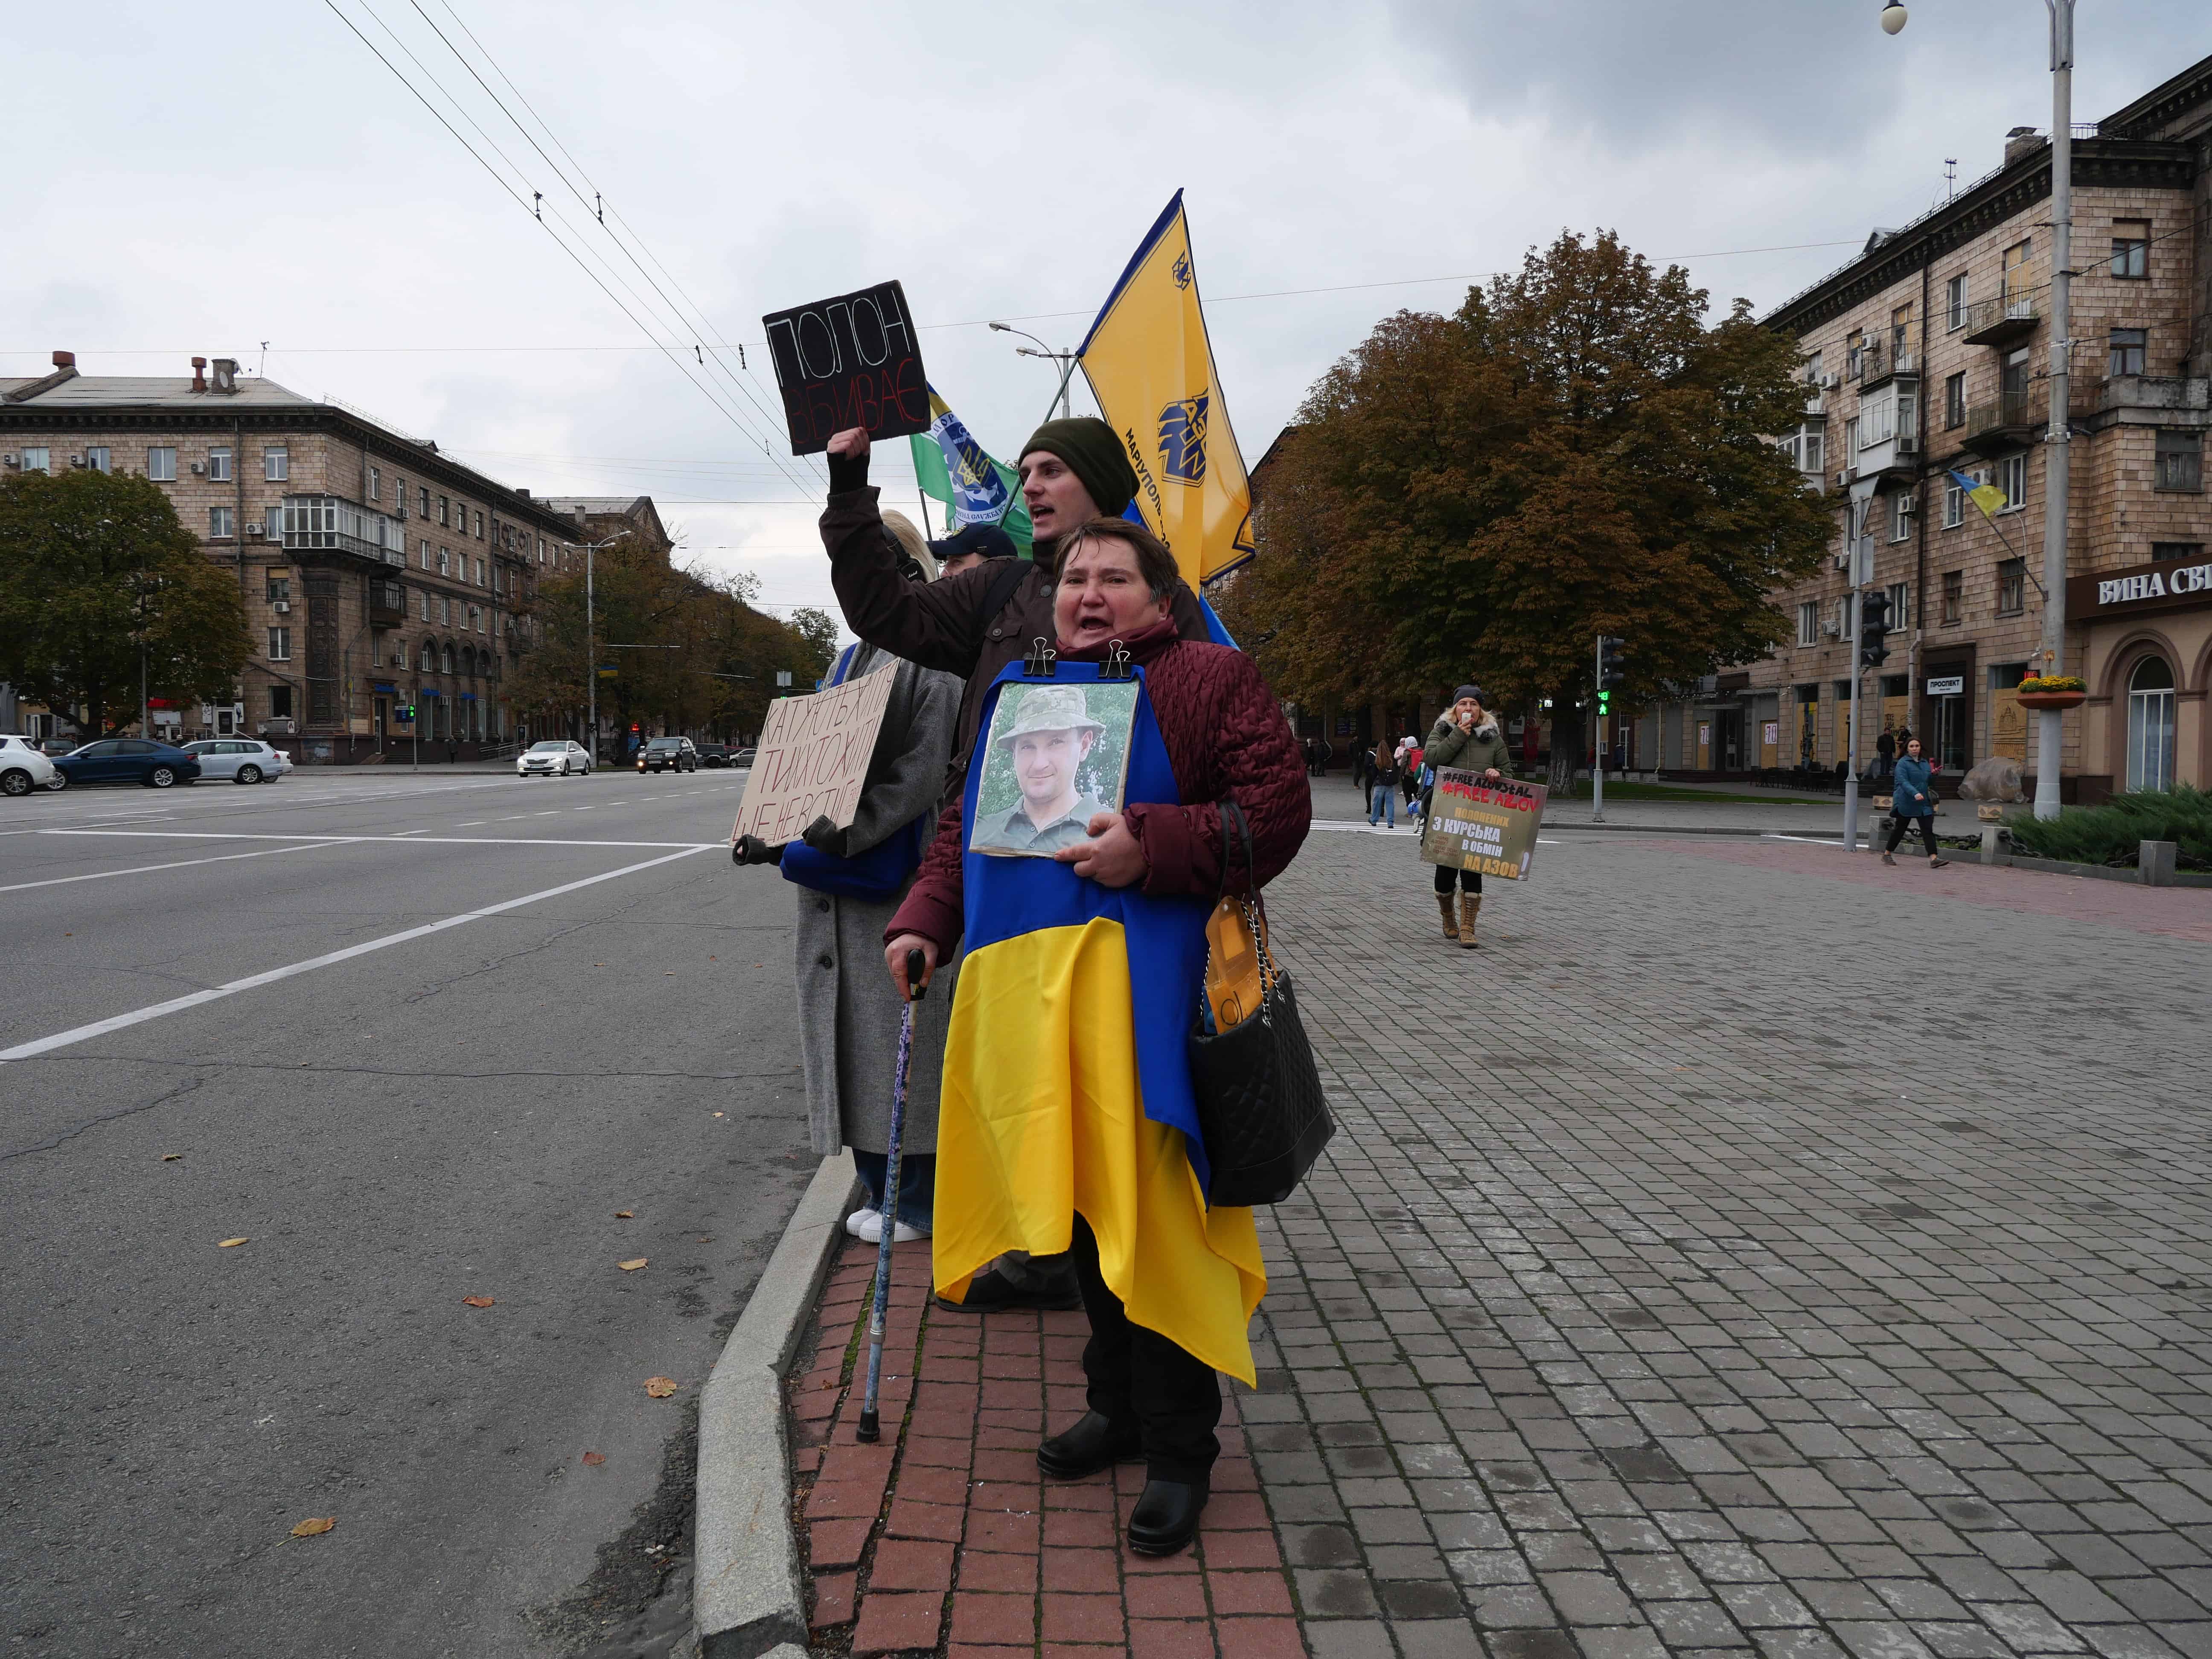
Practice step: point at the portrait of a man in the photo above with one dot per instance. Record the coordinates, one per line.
(1044, 757)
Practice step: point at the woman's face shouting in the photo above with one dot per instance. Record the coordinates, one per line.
(1101, 594)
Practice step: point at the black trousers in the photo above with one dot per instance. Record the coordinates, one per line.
(1138, 1375)
(1470, 881)
(1927, 825)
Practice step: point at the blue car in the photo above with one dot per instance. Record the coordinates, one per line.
(128, 760)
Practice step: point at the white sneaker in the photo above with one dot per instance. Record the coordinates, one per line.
(872, 1231)
(858, 1220)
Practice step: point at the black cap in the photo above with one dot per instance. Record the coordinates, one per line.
(987, 539)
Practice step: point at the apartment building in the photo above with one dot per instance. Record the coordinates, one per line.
(377, 574)
(1927, 358)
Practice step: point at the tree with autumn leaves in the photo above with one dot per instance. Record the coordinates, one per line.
(1573, 452)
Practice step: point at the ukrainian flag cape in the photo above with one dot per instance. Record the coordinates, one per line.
(1067, 1085)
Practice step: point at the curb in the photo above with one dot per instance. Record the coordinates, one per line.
(746, 1599)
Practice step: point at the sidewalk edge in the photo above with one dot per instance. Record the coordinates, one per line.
(746, 1596)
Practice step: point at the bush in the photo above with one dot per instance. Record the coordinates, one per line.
(2109, 834)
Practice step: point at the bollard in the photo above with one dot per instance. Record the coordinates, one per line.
(2154, 863)
(1990, 833)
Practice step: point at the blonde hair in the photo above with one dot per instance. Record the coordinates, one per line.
(908, 537)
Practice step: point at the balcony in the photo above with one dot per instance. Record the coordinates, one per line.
(333, 523)
(2152, 392)
(1879, 363)
(2002, 425)
(387, 605)
(2001, 322)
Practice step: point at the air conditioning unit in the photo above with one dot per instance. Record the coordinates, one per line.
(1844, 478)
(1830, 382)
(1909, 502)
(281, 607)
(1843, 561)
(253, 530)
(1834, 630)
(199, 469)
(76, 460)
(11, 459)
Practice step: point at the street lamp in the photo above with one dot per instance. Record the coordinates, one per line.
(591, 656)
(1067, 360)
(2058, 433)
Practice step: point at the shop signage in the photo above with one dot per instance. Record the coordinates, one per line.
(2162, 586)
(1955, 686)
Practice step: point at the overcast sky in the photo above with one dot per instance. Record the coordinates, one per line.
(199, 180)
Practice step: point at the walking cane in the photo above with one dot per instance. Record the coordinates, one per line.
(869, 1428)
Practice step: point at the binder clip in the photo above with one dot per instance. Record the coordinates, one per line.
(1116, 665)
(1039, 664)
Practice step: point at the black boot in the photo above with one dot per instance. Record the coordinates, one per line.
(1048, 1283)
(1165, 1519)
(1094, 1443)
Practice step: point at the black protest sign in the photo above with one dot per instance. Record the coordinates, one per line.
(847, 361)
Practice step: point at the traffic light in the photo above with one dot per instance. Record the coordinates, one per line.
(1611, 675)
(407, 711)
(1873, 623)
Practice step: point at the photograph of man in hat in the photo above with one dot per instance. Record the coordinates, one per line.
(1041, 740)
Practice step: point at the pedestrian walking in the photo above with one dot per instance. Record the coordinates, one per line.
(1382, 798)
(452, 752)
(1068, 1116)
(1885, 754)
(1409, 771)
(1912, 801)
(972, 625)
(1466, 738)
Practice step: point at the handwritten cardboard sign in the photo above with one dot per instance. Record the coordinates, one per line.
(812, 758)
(1489, 828)
(847, 361)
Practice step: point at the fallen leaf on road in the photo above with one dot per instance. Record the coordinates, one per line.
(706, 1238)
(171, 1158)
(315, 1528)
(660, 1387)
(632, 1265)
(230, 1243)
(625, 1215)
(595, 1458)
(476, 1301)
(718, 1114)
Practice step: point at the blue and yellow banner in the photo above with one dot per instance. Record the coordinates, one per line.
(1150, 368)
(953, 468)
(1987, 497)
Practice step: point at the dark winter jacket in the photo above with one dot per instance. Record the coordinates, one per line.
(1226, 739)
(1912, 789)
(1466, 752)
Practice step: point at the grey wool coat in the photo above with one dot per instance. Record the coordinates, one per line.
(848, 1013)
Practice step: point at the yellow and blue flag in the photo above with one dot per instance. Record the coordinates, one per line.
(953, 468)
(1987, 497)
(1066, 1087)
(1151, 368)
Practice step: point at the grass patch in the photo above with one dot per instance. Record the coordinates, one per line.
(2109, 835)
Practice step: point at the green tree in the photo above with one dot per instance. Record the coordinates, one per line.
(1573, 452)
(97, 575)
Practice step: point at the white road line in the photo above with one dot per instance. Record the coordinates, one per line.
(253, 982)
(410, 836)
(147, 869)
(473, 823)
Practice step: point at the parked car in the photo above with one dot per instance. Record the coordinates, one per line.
(742, 757)
(51, 747)
(23, 768)
(242, 760)
(556, 757)
(714, 754)
(668, 755)
(129, 760)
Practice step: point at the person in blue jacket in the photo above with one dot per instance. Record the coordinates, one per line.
(1912, 800)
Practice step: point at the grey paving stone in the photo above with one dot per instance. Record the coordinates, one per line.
(1334, 1595)
(1350, 1638)
(1436, 1639)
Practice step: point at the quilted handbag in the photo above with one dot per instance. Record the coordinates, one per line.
(1261, 1109)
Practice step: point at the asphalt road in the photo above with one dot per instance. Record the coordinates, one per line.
(551, 1001)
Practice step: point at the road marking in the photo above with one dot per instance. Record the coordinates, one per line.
(253, 982)
(147, 869)
(409, 836)
(473, 823)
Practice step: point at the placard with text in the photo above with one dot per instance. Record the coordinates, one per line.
(812, 758)
(849, 361)
(1488, 828)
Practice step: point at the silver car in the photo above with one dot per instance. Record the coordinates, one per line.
(242, 760)
(554, 758)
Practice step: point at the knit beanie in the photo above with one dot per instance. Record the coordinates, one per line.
(1094, 454)
(1474, 691)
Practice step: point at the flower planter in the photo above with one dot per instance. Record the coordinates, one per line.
(2052, 698)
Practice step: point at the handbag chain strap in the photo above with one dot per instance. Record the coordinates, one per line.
(1256, 914)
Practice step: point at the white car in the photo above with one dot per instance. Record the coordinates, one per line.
(554, 758)
(23, 768)
(242, 760)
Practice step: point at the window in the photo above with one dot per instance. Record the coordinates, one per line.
(280, 645)
(1955, 401)
(423, 504)
(162, 463)
(1854, 355)
(276, 465)
(422, 604)
(96, 458)
(2150, 725)
(444, 511)
(1851, 441)
(2126, 356)
(376, 489)
(219, 522)
(541, 549)
(476, 617)
(2180, 461)
(2177, 549)
(2017, 303)
(280, 588)
(2012, 587)
(479, 525)
(1900, 594)
(1954, 303)
(480, 563)
(280, 702)
(36, 460)
(2012, 479)
(1900, 336)
(219, 467)
(2131, 247)
(1900, 516)
(1955, 598)
(445, 609)
(447, 653)
(1844, 617)
(1809, 622)
(429, 657)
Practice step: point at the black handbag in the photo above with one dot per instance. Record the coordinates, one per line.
(1261, 1110)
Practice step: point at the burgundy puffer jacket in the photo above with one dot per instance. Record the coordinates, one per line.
(1226, 739)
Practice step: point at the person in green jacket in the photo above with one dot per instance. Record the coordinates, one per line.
(1466, 738)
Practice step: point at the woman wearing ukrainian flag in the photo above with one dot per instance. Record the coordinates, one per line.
(1066, 1119)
